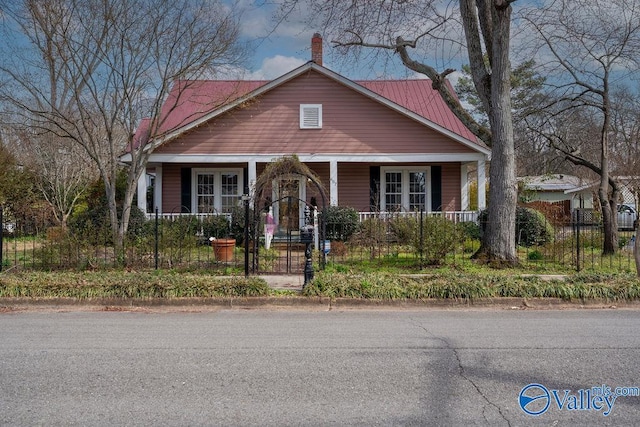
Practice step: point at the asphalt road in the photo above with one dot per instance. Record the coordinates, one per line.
(288, 367)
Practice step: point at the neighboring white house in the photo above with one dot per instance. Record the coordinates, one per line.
(559, 188)
(629, 184)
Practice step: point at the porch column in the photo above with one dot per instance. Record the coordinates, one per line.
(464, 187)
(333, 182)
(142, 192)
(157, 190)
(253, 176)
(482, 184)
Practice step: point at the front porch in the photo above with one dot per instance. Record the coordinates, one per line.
(368, 183)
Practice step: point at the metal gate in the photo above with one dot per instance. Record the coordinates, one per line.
(287, 224)
(284, 234)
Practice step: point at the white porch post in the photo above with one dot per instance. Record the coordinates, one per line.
(333, 182)
(142, 192)
(157, 190)
(482, 183)
(252, 175)
(464, 187)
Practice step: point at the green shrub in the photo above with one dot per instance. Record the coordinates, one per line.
(340, 222)
(91, 221)
(238, 224)
(405, 228)
(535, 255)
(469, 230)
(92, 226)
(440, 237)
(217, 226)
(532, 228)
(372, 231)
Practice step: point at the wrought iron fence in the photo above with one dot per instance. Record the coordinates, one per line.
(408, 241)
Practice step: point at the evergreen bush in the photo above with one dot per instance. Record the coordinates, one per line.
(532, 228)
(340, 222)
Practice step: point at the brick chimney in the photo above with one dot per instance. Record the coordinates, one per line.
(316, 48)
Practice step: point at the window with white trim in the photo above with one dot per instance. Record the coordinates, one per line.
(405, 189)
(310, 116)
(216, 190)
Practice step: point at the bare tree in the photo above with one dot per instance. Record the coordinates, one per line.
(62, 171)
(89, 71)
(625, 134)
(483, 28)
(589, 44)
(625, 152)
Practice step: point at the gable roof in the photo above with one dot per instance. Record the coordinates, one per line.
(556, 182)
(192, 103)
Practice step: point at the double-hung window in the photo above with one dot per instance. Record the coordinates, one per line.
(405, 189)
(216, 191)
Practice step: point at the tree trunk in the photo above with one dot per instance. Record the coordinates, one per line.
(607, 203)
(117, 236)
(610, 233)
(498, 242)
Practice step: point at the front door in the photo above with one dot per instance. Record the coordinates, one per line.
(289, 192)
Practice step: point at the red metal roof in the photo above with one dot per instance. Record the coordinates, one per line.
(193, 99)
(419, 97)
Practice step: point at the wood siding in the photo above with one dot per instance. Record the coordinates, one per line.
(171, 188)
(352, 124)
(451, 183)
(353, 185)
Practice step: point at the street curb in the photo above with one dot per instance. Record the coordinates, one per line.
(310, 303)
(229, 302)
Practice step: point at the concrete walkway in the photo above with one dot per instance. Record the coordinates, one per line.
(288, 282)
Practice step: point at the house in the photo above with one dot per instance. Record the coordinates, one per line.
(380, 145)
(570, 191)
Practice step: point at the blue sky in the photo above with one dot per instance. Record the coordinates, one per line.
(277, 49)
(274, 50)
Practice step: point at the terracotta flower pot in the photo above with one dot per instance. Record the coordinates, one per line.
(223, 249)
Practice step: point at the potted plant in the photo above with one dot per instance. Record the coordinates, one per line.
(219, 228)
(223, 248)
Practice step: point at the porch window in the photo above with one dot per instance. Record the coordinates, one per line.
(393, 191)
(405, 189)
(417, 191)
(216, 190)
(230, 190)
(205, 192)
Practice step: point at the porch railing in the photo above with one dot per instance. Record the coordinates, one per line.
(454, 216)
(173, 216)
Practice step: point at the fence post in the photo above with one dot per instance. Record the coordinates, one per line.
(245, 199)
(421, 236)
(156, 236)
(1, 238)
(578, 219)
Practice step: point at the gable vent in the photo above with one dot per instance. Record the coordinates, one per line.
(310, 116)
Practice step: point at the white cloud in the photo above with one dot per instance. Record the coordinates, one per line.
(274, 67)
